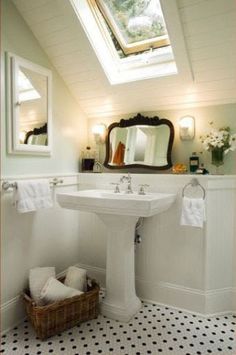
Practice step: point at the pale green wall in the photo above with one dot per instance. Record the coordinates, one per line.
(221, 115)
(69, 122)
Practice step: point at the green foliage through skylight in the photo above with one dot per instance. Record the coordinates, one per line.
(137, 20)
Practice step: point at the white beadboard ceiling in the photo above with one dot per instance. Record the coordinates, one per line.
(209, 28)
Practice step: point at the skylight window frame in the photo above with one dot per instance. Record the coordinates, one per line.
(174, 70)
(133, 48)
(103, 30)
(146, 59)
(129, 62)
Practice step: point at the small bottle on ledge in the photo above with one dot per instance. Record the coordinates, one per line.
(193, 162)
(87, 160)
(202, 170)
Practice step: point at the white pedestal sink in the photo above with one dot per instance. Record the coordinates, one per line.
(120, 213)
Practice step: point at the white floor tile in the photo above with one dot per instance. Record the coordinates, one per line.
(153, 330)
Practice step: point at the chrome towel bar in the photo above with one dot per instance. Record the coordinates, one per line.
(194, 183)
(6, 185)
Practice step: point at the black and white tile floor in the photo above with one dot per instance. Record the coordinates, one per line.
(153, 330)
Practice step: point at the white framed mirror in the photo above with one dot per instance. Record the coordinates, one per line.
(29, 107)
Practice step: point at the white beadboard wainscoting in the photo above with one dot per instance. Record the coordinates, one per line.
(183, 267)
(48, 237)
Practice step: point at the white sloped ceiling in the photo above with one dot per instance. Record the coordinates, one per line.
(209, 28)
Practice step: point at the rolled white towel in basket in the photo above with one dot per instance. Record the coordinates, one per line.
(37, 279)
(76, 278)
(54, 291)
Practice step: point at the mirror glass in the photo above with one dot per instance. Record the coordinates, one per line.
(32, 99)
(140, 141)
(30, 113)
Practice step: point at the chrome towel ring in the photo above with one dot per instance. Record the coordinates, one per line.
(194, 183)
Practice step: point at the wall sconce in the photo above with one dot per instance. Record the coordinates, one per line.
(99, 132)
(186, 128)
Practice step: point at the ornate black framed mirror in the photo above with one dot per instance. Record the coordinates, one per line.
(37, 136)
(139, 142)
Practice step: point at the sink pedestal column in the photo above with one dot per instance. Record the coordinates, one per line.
(121, 302)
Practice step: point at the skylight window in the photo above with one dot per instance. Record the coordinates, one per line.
(136, 25)
(131, 40)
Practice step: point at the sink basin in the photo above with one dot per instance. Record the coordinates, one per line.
(120, 213)
(106, 201)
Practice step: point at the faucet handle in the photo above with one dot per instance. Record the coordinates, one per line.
(141, 190)
(117, 189)
(123, 178)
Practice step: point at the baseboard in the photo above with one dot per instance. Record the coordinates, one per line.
(94, 272)
(205, 304)
(175, 296)
(219, 301)
(187, 310)
(202, 303)
(13, 311)
(234, 299)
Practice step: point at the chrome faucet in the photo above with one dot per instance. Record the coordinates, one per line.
(129, 185)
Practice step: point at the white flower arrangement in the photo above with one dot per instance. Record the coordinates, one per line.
(219, 138)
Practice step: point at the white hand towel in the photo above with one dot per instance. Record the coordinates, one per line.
(193, 212)
(76, 278)
(54, 291)
(37, 279)
(31, 195)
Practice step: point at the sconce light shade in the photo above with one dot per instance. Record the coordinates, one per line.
(186, 128)
(99, 131)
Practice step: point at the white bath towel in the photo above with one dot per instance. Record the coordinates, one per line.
(31, 195)
(54, 291)
(76, 278)
(37, 279)
(193, 212)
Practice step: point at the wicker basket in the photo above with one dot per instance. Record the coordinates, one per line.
(56, 317)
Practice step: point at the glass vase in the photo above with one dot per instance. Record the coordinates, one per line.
(217, 158)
